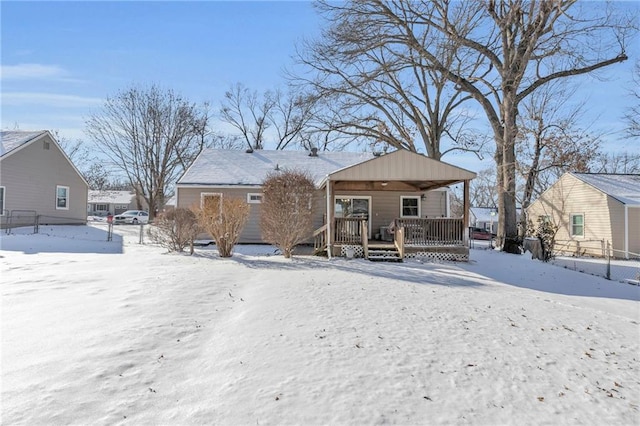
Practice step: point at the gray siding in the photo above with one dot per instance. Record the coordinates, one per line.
(385, 206)
(30, 176)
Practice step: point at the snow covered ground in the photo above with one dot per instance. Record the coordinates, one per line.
(97, 332)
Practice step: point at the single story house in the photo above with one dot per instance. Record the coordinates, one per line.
(395, 204)
(102, 203)
(484, 217)
(38, 181)
(597, 214)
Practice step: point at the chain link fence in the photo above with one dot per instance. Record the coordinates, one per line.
(622, 270)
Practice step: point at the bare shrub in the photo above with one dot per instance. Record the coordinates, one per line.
(224, 218)
(175, 230)
(287, 210)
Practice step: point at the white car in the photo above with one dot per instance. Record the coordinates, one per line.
(132, 216)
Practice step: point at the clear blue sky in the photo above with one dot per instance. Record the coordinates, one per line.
(61, 59)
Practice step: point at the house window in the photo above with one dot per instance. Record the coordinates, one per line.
(121, 207)
(62, 197)
(254, 198)
(577, 225)
(409, 206)
(352, 207)
(1, 200)
(102, 207)
(211, 201)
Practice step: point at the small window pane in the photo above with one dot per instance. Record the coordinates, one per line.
(410, 207)
(577, 225)
(62, 197)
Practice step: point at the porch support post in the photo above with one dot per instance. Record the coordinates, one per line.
(465, 214)
(329, 217)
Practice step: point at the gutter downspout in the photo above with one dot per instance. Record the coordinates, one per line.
(329, 249)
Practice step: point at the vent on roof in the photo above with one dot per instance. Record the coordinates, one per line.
(314, 152)
(277, 167)
(377, 153)
(249, 151)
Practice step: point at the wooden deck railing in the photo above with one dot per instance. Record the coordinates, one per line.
(348, 230)
(432, 232)
(320, 239)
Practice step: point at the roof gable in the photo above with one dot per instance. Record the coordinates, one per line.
(623, 187)
(234, 167)
(403, 165)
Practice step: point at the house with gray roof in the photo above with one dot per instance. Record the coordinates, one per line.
(38, 181)
(105, 202)
(398, 200)
(596, 214)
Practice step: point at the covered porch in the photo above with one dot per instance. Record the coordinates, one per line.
(362, 224)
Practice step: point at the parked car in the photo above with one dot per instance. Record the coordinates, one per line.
(132, 216)
(481, 234)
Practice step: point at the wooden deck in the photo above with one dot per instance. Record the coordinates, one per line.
(438, 239)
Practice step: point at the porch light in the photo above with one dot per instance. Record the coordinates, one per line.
(385, 183)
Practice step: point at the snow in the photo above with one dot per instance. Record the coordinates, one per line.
(12, 139)
(97, 332)
(233, 167)
(624, 188)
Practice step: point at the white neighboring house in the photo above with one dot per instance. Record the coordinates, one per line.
(484, 217)
(102, 203)
(38, 181)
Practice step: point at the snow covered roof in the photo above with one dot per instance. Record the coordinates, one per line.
(623, 187)
(12, 139)
(483, 214)
(110, 197)
(233, 167)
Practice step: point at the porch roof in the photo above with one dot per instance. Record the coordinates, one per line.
(401, 170)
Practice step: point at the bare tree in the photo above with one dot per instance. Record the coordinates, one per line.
(273, 114)
(385, 94)
(632, 117)
(151, 135)
(550, 142)
(286, 216)
(520, 45)
(484, 191)
(622, 162)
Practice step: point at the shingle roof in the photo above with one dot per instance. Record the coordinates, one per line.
(623, 187)
(12, 139)
(232, 167)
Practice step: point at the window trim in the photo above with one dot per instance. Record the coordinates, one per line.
(410, 197)
(4, 199)
(67, 197)
(250, 194)
(571, 224)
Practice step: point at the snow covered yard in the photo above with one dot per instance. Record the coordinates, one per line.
(97, 332)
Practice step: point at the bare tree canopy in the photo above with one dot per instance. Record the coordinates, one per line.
(632, 117)
(150, 134)
(551, 142)
(518, 46)
(384, 93)
(273, 115)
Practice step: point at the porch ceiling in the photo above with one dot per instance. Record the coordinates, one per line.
(392, 185)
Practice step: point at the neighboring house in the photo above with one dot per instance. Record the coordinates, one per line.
(384, 193)
(102, 203)
(593, 212)
(38, 180)
(484, 217)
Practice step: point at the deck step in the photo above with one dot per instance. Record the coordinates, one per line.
(384, 255)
